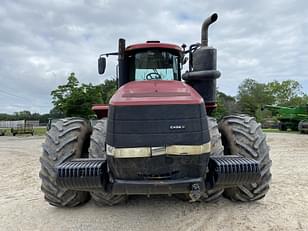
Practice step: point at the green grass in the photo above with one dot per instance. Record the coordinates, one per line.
(40, 131)
(7, 131)
(278, 131)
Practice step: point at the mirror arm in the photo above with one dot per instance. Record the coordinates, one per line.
(107, 54)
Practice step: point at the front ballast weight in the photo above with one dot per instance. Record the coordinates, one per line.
(229, 171)
(82, 174)
(92, 175)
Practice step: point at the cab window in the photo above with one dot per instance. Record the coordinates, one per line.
(153, 65)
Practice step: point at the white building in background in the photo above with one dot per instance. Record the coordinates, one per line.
(19, 123)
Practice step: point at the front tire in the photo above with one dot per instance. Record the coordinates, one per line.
(98, 150)
(67, 139)
(242, 135)
(218, 151)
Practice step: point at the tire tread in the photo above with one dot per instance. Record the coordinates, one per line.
(243, 136)
(98, 150)
(65, 137)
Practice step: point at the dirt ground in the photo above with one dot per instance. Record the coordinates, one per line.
(22, 206)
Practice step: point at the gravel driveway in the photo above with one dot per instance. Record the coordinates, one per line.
(22, 206)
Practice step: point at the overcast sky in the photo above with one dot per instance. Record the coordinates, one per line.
(41, 42)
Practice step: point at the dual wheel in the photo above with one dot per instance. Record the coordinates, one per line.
(70, 138)
(240, 135)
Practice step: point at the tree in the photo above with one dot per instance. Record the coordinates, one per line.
(54, 113)
(252, 96)
(74, 100)
(226, 105)
(23, 115)
(286, 93)
(108, 88)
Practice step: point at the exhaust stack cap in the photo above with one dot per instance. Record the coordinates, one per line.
(205, 26)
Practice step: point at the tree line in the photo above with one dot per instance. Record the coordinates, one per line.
(75, 99)
(25, 115)
(70, 99)
(252, 96)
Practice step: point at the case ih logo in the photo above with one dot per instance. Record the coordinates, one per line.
(176, 127)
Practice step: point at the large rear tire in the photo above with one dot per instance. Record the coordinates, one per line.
(303, 126)
(242, 135)
(282, 126)
(98, 150)
(67, 139)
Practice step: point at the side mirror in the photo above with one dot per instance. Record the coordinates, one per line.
(101, 65)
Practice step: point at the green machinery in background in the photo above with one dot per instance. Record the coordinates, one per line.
(294, 118)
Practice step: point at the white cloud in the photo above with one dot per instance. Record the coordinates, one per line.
(41, 42)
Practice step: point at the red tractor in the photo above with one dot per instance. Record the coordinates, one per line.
(157, 135)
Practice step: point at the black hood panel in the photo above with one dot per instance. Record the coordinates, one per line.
(157, 125)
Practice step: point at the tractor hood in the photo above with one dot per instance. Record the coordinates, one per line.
(157, 113)
(155, 92)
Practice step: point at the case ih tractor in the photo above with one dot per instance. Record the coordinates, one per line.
(157, 135)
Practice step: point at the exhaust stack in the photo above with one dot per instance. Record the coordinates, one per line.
(205, 27)
(202, 73)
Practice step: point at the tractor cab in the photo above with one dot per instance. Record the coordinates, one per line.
(151, 60)
(158, 61)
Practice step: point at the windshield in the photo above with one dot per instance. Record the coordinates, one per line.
(152, 65)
